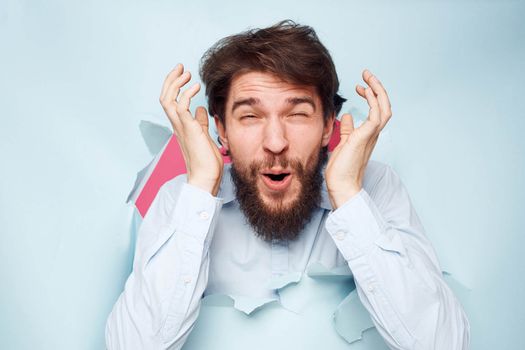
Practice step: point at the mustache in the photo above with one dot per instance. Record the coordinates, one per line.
(272, 160)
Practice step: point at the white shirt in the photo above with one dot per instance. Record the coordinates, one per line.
(191, 244)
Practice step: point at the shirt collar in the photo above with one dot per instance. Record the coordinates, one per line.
(227, 191)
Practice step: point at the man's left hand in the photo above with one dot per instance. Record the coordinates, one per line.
(347, 163)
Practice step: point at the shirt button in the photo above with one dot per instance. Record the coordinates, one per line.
(204, 215)
(370, 288)
(340, 235)
(187, 279)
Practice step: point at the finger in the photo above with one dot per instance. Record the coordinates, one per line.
(184, 101)
(360, 90)
(372, 124)
(346, 127)
(382, 97)
(202, 118)
(367, 75)
(374, 113)
(174, 74)
(173, 90)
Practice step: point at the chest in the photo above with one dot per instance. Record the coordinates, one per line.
(244, 265)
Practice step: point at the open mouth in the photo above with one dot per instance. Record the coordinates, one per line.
(277, 177)
(277, 181)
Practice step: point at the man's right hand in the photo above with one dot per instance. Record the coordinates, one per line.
(204, 164)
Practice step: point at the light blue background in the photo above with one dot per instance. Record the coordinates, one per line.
(77, 77)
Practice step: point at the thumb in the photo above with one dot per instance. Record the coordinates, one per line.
(201, 115)
(346, 126)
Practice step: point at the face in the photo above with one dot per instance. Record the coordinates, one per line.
(276, 135)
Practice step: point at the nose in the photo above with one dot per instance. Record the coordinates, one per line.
(275, 140)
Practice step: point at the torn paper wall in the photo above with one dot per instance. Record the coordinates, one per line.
(155, 136)
(317, 308)
(306, 315)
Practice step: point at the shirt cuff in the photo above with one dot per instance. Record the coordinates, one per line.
(356, 225)
(195, 214)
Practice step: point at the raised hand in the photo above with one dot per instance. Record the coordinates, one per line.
(203, 160)
(347, 163)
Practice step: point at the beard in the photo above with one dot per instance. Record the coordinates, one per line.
(279, 221)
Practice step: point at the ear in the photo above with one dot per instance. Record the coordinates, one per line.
(328, 130)
(221, 129)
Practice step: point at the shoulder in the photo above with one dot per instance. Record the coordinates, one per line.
(385, 188)
(380, 177)
(374, 173)
(164, 199)
(173, 186)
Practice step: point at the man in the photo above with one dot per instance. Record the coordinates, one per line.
(273, 95)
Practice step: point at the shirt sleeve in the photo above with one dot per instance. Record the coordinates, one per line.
(397, 274)
(161, 298)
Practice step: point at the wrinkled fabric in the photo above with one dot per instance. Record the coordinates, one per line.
(197, 251)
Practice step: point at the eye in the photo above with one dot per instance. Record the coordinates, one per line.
(299, 115)
(248, 116)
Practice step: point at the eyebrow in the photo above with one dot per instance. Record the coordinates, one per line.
(255, 101)
(298, 100)
(245, 102)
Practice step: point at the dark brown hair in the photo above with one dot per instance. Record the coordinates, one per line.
(289, 50)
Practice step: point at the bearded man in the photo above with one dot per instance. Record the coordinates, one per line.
(283, 203)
